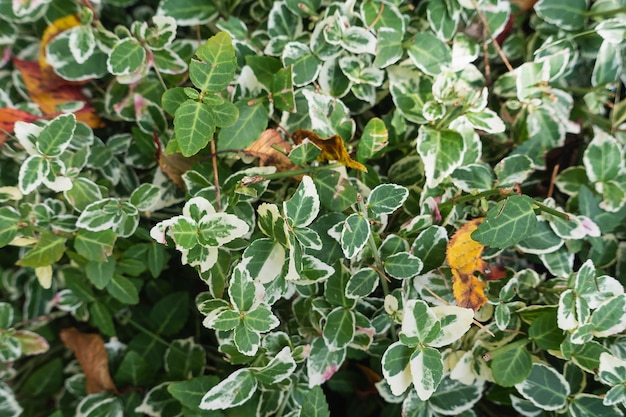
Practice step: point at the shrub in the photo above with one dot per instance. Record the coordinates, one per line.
(305, 208)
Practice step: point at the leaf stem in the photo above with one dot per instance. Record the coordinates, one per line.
(285, 174)
(471, 197)
(551, 211)
(216, 178)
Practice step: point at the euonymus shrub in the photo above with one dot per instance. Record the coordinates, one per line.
(294, 208)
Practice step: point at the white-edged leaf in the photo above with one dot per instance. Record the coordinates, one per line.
(354, 235)
(442, 152)
(426, 371)
(455, 322)
(545, 388)
(387, 198)
(235, 390)
(302, 208)
(32, 173)
(396, 369)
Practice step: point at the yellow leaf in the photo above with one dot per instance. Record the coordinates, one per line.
(464, 258)
(333, 148)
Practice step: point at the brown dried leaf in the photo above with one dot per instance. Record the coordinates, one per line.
(333, 148)
(464, 258)
(174, 166)
(266, 149)
(92, 357)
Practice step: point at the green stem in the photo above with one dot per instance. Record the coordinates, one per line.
(148, 332)
(608, 13)
(286, 174)
(551, 211)
(472, 197)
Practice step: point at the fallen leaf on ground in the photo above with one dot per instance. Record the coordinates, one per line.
(464, 258)
(333, 148)
(92, 357)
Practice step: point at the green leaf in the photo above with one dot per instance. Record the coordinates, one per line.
(278, 369)
(323, 362)
(123, 290)
(48, 250)
(188, 12)
(373, 140)
(304, 153)
(241, 290)
(264, 259)
(225, 114)
(100, 273)
(545, 388)
(335, 190)
(440, 20)
(110, 213)
(193, 126)
(100, 316)
(32, 173)
(158, 401)
(191, 391)
(9, 220)
(8, 402)
(583, 405)
(260, 319)
(126, 57)
(608, 67)
(170, 313)
(145, 196)
(354, 234)
(100, 404)
(441, 151)
(396, 369)
(362, 283)
(82, 193)
(426, 370)
(338, 330)
(566, 14)
(134, 370)
(6, 315)
(314, 404)
(302, 208)
(513, 170)
(429, 53)
(184, 358)
(387, 198)
(95, 246)
(603, 158)
(430, 246)
(609, 318)
(454, 397)
(56, 135)
(403, 265)
(304, 64)
(473, 177)
(246, 341)
(507, 223)
(545, 332)
(389, 48)
(216, 66)
(511, 364)
(419, 324)
(282, 90)
(251, 123)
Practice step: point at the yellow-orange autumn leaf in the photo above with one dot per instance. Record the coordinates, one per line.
(93, 358)
(272, 150)
(464, 256)
(333, 148)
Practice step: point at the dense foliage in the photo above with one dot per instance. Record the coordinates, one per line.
(312, 208)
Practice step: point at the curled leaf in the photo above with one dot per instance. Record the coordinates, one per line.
(272, 150)
(92, 357)
(464, 258)
(333, 148)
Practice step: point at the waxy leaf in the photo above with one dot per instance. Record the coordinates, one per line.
(304, 205)
(387, 198)
(231, 392)
(215, 67)
(193, 126)
(441, 151)
(545, 388)
(507, 223)
(354, 235)
(339, 328)
(426, 371)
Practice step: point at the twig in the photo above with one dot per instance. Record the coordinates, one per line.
(495, 43)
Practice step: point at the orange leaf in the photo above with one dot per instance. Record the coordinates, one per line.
(333, 148)
(464, 258)
(266, 149)
(49, 92)
(92, 357)
(9, 116)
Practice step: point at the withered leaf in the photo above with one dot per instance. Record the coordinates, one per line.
(9, 116)
(174, 166)
(464, 256)
(333, 148)
(266, 148)
(93, 358)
